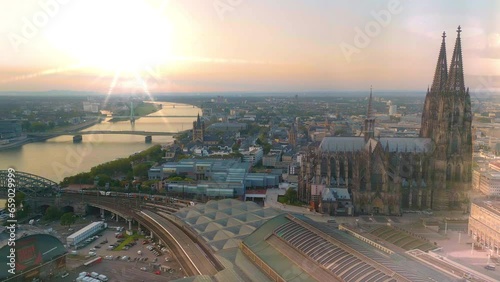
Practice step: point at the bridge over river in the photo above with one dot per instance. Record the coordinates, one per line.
(127, 132)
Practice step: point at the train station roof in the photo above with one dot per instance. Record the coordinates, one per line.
(224, 223)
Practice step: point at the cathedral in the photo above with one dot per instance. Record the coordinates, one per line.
(386, 175)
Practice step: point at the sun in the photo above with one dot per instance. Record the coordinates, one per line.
(113, 35)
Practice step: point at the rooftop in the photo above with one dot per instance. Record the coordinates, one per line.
(222, 224)
(491, 206)
(393, 144)
(341, 256)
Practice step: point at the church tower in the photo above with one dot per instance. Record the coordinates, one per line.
(198, 130)
(369, 128)
(447, 119)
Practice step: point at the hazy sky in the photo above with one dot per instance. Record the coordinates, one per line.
(137, 46)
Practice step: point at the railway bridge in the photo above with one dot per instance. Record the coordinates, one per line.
(194, 258)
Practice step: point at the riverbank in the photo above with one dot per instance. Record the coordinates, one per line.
(15, 144)
(32, 139)
(62, 158)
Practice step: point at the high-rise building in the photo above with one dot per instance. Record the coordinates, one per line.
(393, 110)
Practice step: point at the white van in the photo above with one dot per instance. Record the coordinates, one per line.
(94, 274)
(102, 277)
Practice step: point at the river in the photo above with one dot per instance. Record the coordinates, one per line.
(58, 157)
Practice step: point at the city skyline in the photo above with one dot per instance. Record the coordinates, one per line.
(240, 46)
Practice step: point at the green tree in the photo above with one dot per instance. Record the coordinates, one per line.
(266, 147)
(103, 179)
(235, 147)
(38, 126)
(141, 170)
(52, 213)
(290, 196)
(68, 219)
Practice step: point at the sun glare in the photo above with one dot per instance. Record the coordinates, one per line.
(113, 35)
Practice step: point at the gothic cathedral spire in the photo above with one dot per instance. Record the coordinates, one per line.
(441, 73)
(431, 104)
(369, 130)
(369, 111)
(456, 77)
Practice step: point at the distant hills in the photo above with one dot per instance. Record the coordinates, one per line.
(61, 93)
(51, 93)
(301, 94)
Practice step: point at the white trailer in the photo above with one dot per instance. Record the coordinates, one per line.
(84, 233)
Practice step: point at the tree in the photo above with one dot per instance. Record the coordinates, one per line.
(266, 147)
(290, 196)
(141, 170)
(68, 219)
(235, 147)
(52, 213)
(103, 179)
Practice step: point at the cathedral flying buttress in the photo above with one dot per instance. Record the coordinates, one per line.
(387, 175)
